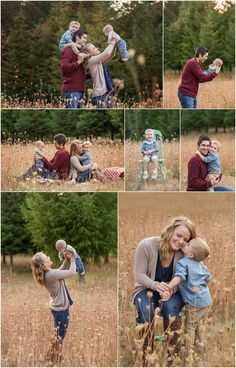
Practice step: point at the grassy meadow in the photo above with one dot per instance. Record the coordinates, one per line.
(216, 94)
(27, 323)
(17, 158)
(213, 217)
(132, 168)
(227, 149)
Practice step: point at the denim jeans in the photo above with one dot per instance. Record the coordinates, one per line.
(47, 174)
(122, 48)
(171, 307)
(79, 265)
(83, 176)
(61, 322)
(72, 100)
(223, 188)
(187, 102)
(102, 102)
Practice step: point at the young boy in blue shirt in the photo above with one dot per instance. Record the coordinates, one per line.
(149, 151)
(192, 277)
(66, 38)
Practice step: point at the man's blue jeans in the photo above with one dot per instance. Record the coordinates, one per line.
(83, 176)
(223, 188)
(102, 102)
(61, 322)
(73, 100)
(146, 307)
(187, 102)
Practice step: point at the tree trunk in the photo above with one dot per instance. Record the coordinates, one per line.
(4, 259)
(106, 259)
(11, 263)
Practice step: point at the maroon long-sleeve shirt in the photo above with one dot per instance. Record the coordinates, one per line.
(74, 76)
(60, 163)
(192, 75)
(197, 172)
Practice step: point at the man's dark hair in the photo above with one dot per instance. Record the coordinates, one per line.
(78, 33)
(60, 138)
(200, 50)
(203, 138)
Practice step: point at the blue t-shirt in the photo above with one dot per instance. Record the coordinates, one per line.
(213, 162)
(193, 288)
(164, 273)
(86, 158)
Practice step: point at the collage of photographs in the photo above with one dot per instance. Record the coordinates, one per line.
(117, 183)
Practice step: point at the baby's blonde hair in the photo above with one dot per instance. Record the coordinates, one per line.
(39, 143)
(74, 22)
(200, 249)
(217, 143)
(148, 131)
(107, 28)
(88, 143)
(60, 243)
(218, 62)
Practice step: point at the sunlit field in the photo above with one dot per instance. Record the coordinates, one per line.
(17, 158)
(227, 149)
(218, 93)
(143, 215)
(132, 167)
(27, 323)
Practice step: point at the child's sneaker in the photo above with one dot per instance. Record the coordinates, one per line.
(125, 59)
(154, 175)
(200, 345)
(145, 175)
(72, 181)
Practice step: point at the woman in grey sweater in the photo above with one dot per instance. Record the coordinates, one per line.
(60, 300)
(155, 263)
(94, 64)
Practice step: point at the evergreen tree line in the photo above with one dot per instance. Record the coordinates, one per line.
(31, 32)
(136, 122)
(170, 121)
(35, 221)
(44, 124)
(190, 24)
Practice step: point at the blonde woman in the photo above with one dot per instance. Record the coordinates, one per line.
(79, 173)
(60, 300)
(97, 70)
(155, 264)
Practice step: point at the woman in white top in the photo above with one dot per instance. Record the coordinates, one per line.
(94, 64)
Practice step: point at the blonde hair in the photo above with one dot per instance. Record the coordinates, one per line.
(218, 62)
(38, 268)
(73, 147)
(200, 249)
(39, 143)
(88, 143)
(149, 131)
(60, 242)
(107, 28)
(74, 22)
(87, 47)
(166, 234)
(217, 143)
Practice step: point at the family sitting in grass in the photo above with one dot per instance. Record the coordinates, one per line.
(74, 167)
(81, 61)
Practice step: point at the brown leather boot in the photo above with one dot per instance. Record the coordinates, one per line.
(173, 341)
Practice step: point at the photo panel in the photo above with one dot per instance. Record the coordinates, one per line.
(157, 215)
(152, 151)
(82, 54)
(37, 308)
(56, 150)
(208, 150)
(199, 54)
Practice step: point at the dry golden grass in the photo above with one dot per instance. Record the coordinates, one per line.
(17, 158)
(227, 149)
(213, 216)
(218, 93)
(132, 168)
(27, 323)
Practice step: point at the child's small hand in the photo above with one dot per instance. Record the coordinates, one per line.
(165, 295)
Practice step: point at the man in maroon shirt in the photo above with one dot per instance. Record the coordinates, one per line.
(74, 76)
(192, 75)
(197, 169)
(59, 166)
